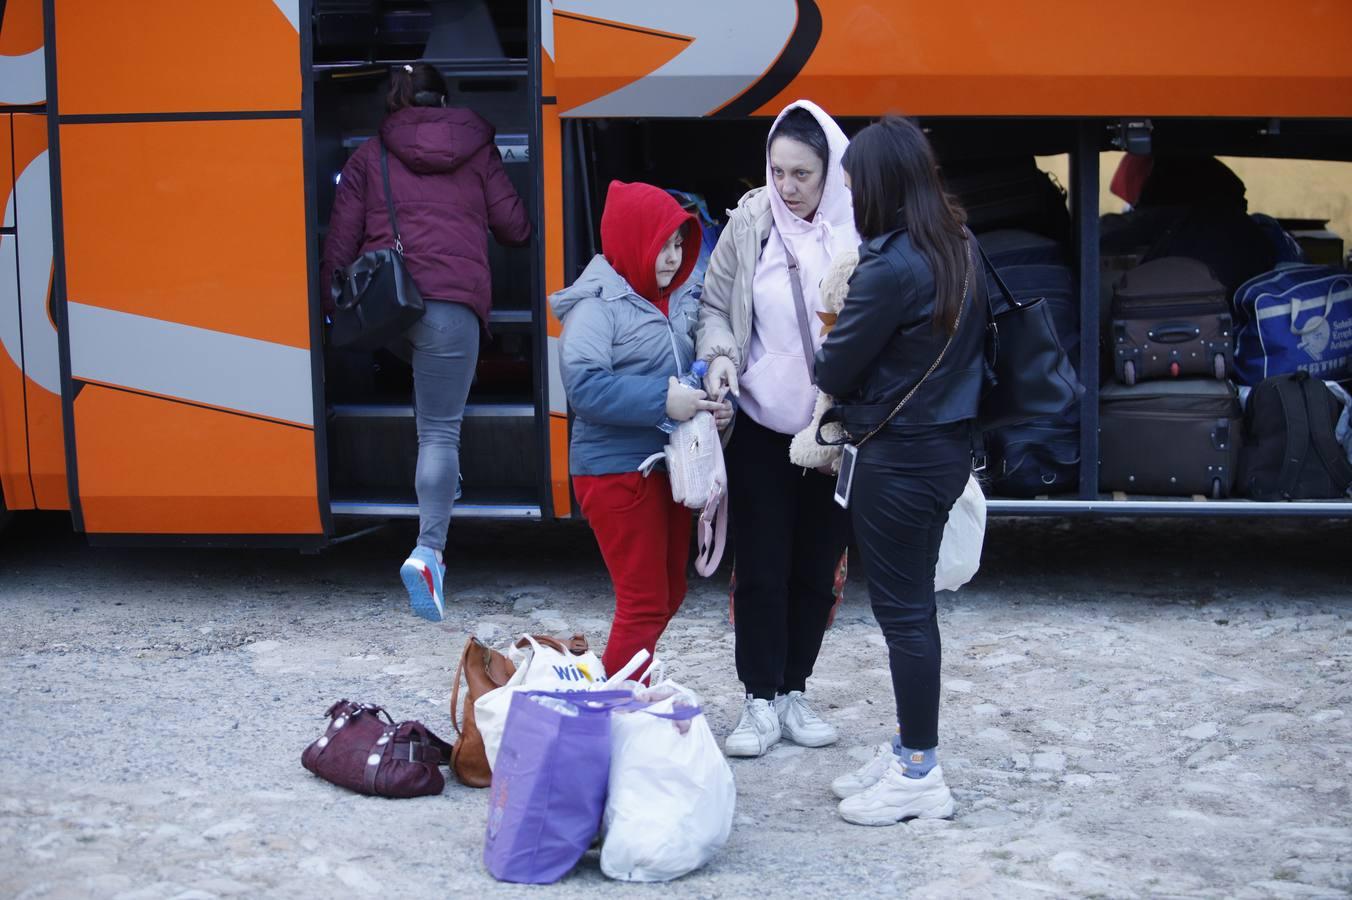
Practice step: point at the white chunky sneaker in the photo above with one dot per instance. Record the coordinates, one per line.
(867, 775)
(756, 733)
(895, 798)
(800, 724)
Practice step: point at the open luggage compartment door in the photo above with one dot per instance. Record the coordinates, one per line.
(183, 269)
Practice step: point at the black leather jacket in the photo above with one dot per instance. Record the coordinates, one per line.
(884, 341)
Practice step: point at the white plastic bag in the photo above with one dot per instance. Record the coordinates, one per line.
(539, 667)
(964, 535)
(672, 796)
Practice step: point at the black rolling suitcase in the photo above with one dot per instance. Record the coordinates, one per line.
(1171, 319)
(1174, 438)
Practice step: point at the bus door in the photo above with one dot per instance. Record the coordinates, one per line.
(32, 443)
(182, 269)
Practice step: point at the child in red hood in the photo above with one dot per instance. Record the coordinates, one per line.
(628, 332)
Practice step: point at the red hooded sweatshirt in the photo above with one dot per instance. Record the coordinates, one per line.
(637, 221)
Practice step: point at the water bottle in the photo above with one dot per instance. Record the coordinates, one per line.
(695, 379)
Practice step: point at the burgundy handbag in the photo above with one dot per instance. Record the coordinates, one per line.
(361, 752)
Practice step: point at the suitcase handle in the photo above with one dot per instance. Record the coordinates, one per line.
(1175, 333)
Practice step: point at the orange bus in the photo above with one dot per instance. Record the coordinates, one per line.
(168, 169)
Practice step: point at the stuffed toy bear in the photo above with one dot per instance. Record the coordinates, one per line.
(803, 449)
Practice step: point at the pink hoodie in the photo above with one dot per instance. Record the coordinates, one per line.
(776, 389)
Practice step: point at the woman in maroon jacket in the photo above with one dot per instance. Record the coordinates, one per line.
(450, 190)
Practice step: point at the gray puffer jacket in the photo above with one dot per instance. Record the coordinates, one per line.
(616, 354)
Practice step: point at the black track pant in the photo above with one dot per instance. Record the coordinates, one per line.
(904, 485)
(788, 535)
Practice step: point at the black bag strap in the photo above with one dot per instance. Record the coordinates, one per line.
(800, 308)
(999, 282)
(389, 197)
(1292, 400)
(1321, 435)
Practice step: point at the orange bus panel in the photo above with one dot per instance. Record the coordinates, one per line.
(980, 58)
(46, 437)
(23, 69)
(157, 56)
(15, 489)
(613, 53)
(199, 223)
(21, 28)
(153, 466)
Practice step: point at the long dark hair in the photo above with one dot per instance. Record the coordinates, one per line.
(423, 86)
(894, 181)
(803, 127)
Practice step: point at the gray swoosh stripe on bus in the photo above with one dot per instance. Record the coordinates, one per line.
(745, 36)
(23, 79)
(32, 252)
(195, 364)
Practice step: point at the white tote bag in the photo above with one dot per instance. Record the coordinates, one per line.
(964, 536)
(671, 796)
(540, 666)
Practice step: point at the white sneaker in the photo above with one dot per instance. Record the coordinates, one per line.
(895, 798)
(756, 733)
(800, 724)
(866, 776)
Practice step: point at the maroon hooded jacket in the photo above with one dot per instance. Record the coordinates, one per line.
(449, 190)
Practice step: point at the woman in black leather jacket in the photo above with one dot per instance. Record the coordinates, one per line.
(911, 328)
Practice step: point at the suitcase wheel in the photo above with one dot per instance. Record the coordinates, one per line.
(1218, 366)
(1129, 372)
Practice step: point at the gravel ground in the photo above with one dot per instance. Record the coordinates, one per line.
(1131, 709)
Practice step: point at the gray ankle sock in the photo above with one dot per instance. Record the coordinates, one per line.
(916, 763)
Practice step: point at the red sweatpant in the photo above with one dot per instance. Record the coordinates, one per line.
(645, 541)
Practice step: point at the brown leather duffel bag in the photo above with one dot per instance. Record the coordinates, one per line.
(481, 669)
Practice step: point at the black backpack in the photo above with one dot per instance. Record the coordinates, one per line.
(1290, 451)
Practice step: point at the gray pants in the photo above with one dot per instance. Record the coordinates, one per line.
(444, 345)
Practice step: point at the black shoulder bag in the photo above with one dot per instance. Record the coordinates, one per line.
(375, 298)
(1030, 374)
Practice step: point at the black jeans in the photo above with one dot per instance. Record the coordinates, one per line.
(905, 483)
(788, 534)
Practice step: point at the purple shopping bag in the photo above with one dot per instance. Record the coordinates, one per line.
(549, 783)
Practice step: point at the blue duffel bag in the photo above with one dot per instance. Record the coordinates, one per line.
(1296, 318)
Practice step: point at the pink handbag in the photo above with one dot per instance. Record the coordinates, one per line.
(699, 480)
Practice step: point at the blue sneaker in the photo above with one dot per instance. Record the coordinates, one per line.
(422, 576)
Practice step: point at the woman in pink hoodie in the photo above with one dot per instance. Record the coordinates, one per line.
(788, 532)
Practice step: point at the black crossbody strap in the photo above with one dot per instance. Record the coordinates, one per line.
(389, 197)
(957, 324)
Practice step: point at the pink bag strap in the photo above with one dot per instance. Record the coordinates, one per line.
(713, 533)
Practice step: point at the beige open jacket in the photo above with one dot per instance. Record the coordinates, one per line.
(725, 312)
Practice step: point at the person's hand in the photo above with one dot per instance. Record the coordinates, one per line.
(683, 402)
(721, 379)
(723, 415)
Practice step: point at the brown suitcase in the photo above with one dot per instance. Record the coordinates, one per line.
(1171, 319)
(1171, 438)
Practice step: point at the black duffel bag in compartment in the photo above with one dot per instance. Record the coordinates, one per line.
(1173, 438)
(1290, 448)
